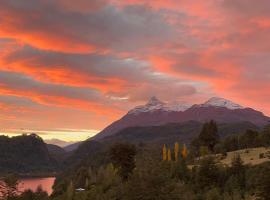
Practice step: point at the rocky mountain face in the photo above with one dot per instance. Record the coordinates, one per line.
(156, 112)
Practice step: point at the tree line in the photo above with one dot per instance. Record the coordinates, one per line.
(145, 172)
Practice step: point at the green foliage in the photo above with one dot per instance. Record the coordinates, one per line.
(209, 135)
(213, 194)
(39, 194)
(238, 171)
(207, 174)
(123, 158)
(263, 183)
(70, 191)
(9, 186)
(250, 139)
(153, 181)
(25, 154)
(137, 173)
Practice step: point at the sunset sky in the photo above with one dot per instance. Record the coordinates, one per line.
(69, 68)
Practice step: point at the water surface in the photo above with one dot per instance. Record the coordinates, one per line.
(33, 183)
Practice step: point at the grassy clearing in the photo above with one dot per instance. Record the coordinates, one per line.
(252, 156)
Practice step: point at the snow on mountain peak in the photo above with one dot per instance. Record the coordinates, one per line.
(155, 104)
(221, 102)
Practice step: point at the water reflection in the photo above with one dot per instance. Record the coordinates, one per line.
(33, 183)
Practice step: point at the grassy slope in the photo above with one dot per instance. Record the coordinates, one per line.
(249, 156)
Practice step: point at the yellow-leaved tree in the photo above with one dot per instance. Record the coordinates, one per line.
(176, 151)
(169, 154)
(164, 153)
(184, 152)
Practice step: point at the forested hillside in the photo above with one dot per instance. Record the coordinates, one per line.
(25, 154)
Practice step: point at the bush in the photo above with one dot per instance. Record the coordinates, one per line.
(261, 156)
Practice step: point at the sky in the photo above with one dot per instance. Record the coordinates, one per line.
(70, 68)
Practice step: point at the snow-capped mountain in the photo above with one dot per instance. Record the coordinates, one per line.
(221, 102)
(156, 112)
(155, 104)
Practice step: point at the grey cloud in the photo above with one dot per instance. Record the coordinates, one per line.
(123, 29)
(15, 100)
(247, 7)
(19, 82)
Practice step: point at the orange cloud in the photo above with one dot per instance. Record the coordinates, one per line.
(96, 59)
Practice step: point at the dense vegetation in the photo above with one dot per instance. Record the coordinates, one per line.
(169, 133)
(28, 154)
(154, 171)
(24, 154)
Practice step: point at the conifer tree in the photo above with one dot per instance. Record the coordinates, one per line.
(176, 151)
(164, 153)
(209, 135)
(169, 154)
(123, 159)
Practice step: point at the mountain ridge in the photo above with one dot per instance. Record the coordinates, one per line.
(156, 112)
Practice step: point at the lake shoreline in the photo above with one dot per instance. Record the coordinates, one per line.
(32, 175)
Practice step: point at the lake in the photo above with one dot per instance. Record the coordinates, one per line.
(33, 183)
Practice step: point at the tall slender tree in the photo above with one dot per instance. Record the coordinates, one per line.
(176, 151)
(184, 152)
(164, 153)
(169, 154)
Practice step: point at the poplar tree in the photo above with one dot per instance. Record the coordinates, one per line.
(176, 151)
(164, 153)
(169, 154)
(184, 152)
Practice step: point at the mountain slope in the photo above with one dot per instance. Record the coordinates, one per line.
(156, 112)
(170, 133)
(72, 147)
(58, 142)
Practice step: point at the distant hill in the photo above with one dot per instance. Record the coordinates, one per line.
(170, 133)
(25, 154)
(156, 113)
(60, 143)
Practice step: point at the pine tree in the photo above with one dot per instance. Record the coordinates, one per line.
(123, 159)
(184, 152)
(169, 154)
(164, 153)
(176, 151)
(209, 135)
(238, 171)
